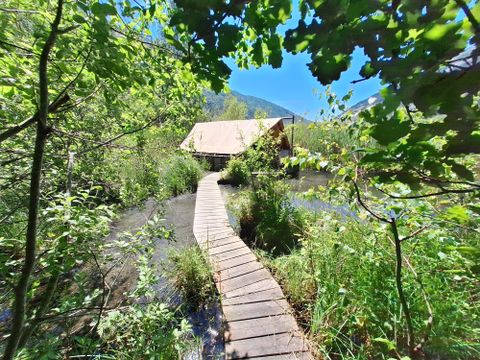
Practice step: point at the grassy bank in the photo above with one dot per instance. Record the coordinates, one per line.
(341, 283)
(339, 272)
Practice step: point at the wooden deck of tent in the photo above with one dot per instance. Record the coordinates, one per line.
(257, 319)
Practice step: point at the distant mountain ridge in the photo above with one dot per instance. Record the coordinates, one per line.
(215, 105)
(365, 103)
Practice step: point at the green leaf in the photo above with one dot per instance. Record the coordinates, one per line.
(462, 171)
(389, 344)
(102, 9)
(367, 70)
(457, 213)
(390, 130)
(275, 46)
(79, 19)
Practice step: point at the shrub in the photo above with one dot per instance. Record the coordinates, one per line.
(181, 174)
(267, 217)
(236, 172)
(146, 329)
(192, 275)
(145, 332)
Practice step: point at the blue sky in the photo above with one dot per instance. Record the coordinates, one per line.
(292, 85)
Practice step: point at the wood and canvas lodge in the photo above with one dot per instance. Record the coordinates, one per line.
(218, 141)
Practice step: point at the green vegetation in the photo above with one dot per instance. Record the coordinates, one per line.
(342, 284)
(89, 116)
(233, 109)
(215, 104)
(181, 174)
(144, 332)
(266, 217)
(236, 172)
(155, 170)
(192, 276)
(94, 103)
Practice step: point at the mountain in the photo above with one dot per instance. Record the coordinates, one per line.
(365, 104)
(215, 102)
(214, 105)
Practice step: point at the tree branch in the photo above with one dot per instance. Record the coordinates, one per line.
(360, 201)
(59, 101)
(157, 119)
(469, 15)
(442, 192)
(415, 233)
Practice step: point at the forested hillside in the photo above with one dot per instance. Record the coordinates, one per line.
(215, 104)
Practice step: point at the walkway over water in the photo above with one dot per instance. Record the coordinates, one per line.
(258, 320)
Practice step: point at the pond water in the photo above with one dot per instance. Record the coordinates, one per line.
(304, 182)
(178, 213)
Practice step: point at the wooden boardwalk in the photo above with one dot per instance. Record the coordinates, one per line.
(257, 318)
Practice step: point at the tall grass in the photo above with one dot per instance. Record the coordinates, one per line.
(236, 172)
(341, 283)
(267, 217)
(181, 174)
(326, 137)
(191, 275)
(139, 176)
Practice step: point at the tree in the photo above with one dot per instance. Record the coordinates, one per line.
(233, 109)
(69, 70)
(260, 114)
(425, 52)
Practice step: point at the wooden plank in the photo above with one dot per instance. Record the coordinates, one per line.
(226, 247)
(231, 254)
(261, 296)
(209, 235)
(258, 286)
(212, 244)
(238, 330)
(236, 271)
(236, 261)
(279, 344)
(255, 310)
(244, 280)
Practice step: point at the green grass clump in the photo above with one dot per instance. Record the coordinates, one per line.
(267, 217)
(236, 172)
(341, 283)
(192, 275)
(181, 174)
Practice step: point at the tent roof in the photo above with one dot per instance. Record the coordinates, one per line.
(226, 137)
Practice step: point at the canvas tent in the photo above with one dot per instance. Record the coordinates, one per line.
(217, 141)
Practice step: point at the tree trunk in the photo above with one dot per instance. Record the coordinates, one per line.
(21, 290)
(398, 280)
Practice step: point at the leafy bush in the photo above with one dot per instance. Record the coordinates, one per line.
(342, 284)
(145, 332)
(236, 172)
(267, 218)
(192, 275)
(181, 174)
